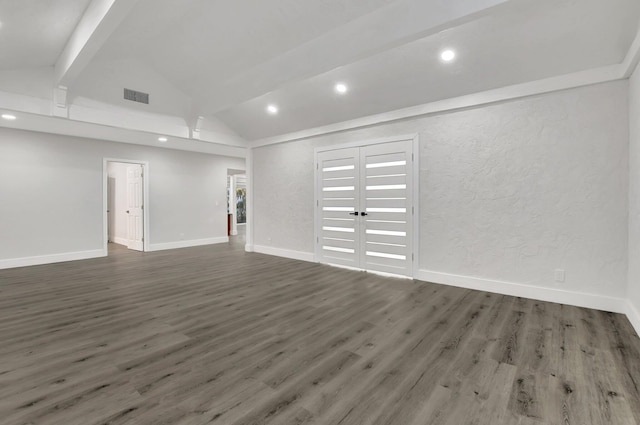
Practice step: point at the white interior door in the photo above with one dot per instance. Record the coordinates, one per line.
(135, 207)
(365, 207)
(338, 198)
(387, 208)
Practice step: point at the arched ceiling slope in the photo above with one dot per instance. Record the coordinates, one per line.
(213, 66)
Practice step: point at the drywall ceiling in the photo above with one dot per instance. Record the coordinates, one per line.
(227, 60)
(34, 32)
(523, 41)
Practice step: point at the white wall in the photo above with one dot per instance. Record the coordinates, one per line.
(117, 203)
(508, 193)
(51, 195)
(634, 200)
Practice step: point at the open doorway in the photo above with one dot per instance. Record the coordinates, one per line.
(236, 204)
(126, 217)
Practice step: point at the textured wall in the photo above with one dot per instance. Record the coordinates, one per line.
(634, 190)
(509, 192)
(514, 191)
(283, 196)
(51, 198)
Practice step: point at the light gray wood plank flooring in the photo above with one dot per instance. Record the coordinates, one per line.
(214, 335)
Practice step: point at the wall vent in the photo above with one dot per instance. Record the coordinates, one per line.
(136, 96)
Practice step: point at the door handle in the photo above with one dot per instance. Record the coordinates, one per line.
(127, 211)
(363, 214)
(353, 213)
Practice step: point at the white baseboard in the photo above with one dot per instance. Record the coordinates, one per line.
(120, 241)
(578, 299)
(634, 316)
(278, 252)
(52, 258)
(187, 244)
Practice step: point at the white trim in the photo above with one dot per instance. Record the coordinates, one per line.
(633, 315)
(316, 214)
(563, 82)
(278, 252)
(23, 103)
(233, 208)
(116, 126)
(51, 258)
(579, 299)
(416, 206)
(186, 244)
(120, 241)
(105, 201)
(367, 142)
(248, 247)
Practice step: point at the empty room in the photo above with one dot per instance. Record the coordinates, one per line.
(327, 212)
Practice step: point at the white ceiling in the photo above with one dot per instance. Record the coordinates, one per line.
(226, 60)
(34, 32)
(523, 41)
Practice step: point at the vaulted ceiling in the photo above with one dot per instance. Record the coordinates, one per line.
(226, 60)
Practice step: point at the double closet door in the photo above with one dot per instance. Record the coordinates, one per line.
(364, 201)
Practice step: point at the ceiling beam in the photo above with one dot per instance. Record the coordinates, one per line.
(99, 21)
(399, 23)
(633, 57)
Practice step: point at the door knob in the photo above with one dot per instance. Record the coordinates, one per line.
(363, 214)
(353, 213)
(127, 211)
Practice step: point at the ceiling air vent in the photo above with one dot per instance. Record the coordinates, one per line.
(136, 96)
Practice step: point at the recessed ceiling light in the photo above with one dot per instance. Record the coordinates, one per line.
(8, 117)
(272, 109)
(162, 139)
(341, 88)
(448, 55)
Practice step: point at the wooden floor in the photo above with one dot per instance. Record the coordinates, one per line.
(213, 335)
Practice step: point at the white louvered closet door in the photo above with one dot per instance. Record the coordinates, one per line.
(338, 197)
(365, 207)
(387, 224)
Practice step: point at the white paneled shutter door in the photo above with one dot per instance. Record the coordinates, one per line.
(365, 207)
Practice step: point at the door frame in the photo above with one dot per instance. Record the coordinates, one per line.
(105, 201)
(415, 143)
